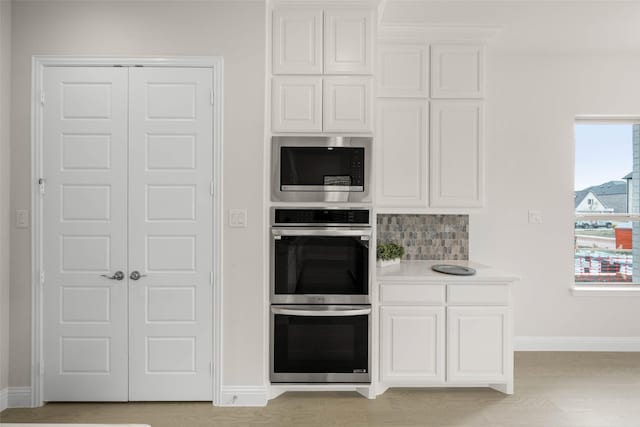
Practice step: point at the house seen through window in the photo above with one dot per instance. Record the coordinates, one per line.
(607, 203)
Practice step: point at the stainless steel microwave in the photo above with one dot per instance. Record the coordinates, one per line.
(321, 169)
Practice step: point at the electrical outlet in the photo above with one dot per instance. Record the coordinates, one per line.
(238, 218)
(535, 217)
(22, 218)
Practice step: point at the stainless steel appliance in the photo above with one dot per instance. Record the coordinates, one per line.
(321, 169)
(320, 313)
(320, 256)
(320, 344)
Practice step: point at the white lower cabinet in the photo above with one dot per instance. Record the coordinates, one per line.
(463, 340)
(477, 339)
(412, 345)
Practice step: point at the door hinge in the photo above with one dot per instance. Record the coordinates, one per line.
(41, 367)
(210, 368)
(211, 278)
(211, 93)
(211, 187)
(42, 278)
(42, 97)
(41, 183)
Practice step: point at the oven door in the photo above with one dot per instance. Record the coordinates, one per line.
(320, 266)
(320, 344)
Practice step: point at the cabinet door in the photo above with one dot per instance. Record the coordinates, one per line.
(296, 104)
(403, 70)
(457, 71)
(477, 344)
(401, 152)
(456, 155)
(348, 41)
(412, 346)
(297, 41)
(347, 104)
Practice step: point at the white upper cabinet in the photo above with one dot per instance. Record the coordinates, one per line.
(296, 104)
(297, 41)
(347, 104)
(317, 104)
(456, 155)
(403, 70)
(316, 41)
(402, 154)
(429, 160)
(457, 71)
(348, 36)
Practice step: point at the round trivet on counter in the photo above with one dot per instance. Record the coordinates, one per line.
(457, 270)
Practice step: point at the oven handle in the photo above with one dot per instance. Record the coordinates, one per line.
(320, 313)
(320, 232)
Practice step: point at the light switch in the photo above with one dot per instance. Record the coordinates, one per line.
(237, 218)
(535, 217)
(22, 218)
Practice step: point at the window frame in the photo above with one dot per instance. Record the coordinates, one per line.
(610, 288)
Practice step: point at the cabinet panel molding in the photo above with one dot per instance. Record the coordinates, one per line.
(477, 344)
(347, 104)
(412, 340)
(348, 41)
(457, 71)
(456, 154)
(403, 70)
(411, 294)
(297, 41)
(478, 294)
(296, 104)
(402, 152)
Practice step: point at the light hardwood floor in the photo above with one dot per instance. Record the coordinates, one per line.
(552, 390)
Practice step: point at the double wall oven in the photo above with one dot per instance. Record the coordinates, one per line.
(320, 299)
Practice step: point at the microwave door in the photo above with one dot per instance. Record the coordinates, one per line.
(322, 169)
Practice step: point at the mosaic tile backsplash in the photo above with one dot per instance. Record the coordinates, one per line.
(435, 237)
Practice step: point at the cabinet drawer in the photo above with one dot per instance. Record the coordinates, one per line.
(478, 295)
(411, 294)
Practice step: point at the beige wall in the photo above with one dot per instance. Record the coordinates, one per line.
(551, 62)
(232, 29)
(546, 66)
(5, 141)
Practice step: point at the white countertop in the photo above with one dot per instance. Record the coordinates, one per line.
(421, 271)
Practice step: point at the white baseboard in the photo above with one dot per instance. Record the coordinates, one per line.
(4, 399)
(19, 397)
(576, 343)
(244, 396)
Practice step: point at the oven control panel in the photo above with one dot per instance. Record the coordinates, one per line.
(334, 217)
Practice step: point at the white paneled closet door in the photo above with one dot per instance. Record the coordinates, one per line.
(85, 234)
(170, 229)
(128, 168)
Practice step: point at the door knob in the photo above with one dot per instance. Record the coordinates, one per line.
(118, 275)
(135, 275)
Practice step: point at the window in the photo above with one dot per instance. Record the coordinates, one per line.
(607, 203)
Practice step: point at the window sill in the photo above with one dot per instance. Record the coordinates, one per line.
(605, 291)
